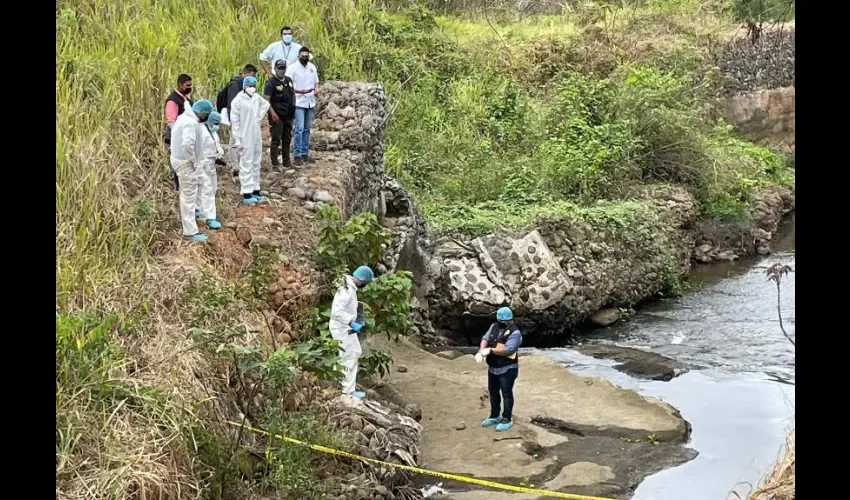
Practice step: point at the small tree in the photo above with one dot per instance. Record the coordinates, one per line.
(775, 273)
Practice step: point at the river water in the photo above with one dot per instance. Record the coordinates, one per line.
(739, 395)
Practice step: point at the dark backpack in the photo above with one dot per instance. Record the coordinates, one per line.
(221, 98)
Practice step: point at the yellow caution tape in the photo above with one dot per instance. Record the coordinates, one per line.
(417, 470)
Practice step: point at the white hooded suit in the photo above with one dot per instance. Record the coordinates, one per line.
(343, 313)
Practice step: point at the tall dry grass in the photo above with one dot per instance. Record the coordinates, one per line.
(779, 483)
(115, 64)
(127, 390)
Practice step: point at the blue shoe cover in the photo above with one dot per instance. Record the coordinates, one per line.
(200, 237)
(504, 426)
(490, 422)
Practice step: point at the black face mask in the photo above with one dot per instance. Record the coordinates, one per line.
(304, 60)
(502, 325)
(187, 91)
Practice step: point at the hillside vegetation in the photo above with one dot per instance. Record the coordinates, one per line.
(495, 114)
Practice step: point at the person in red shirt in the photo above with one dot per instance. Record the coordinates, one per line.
(175, 103)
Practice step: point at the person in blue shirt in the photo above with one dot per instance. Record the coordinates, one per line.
(499, 347)
(285, 49)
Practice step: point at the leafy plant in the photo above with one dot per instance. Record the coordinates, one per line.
(291, 468)
(259, 275)
(211, 303)
(345, 245)
(376, 363)
(652, 438)
(388, 299)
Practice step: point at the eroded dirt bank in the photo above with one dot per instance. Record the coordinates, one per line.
(572, 434)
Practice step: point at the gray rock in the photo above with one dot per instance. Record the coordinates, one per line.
(401, 368)
(605, 317)
(460, 426)
(296, 192)
(323, 196)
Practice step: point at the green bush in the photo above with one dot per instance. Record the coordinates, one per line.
(346, 245)
(374, 364)
(388, 300)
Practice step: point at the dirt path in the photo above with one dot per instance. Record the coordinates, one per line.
(597, 441)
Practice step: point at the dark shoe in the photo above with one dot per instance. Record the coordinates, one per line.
(310, 159)
(298, 162)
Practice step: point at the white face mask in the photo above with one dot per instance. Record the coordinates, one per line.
(250, 90)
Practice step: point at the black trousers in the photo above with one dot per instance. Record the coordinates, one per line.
(502, 385)
(281, 137)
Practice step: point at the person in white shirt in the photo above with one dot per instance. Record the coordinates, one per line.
(305, 79)
(284, 49)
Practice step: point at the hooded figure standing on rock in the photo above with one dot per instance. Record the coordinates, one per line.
(502, 367)
(345, 327)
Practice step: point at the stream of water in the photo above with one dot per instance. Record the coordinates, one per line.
(739, 395)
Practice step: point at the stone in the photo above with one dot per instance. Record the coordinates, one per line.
(401, 368)
(323, 196)
(268, 221)
(260, 239)
(605, 317)
(460, 426)
(296, 192)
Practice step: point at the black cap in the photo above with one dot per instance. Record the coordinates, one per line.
(280, 63)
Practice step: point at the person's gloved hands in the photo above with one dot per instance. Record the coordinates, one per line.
(480, 355)
(356, 327)
(220, 162)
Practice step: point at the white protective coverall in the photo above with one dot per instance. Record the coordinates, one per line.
(208, 178)
(186, 142)
(343, 312)
(246, 116)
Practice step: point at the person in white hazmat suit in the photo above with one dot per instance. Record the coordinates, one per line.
(211, 155)
(246, 115)
(344, 327)
(186, 142)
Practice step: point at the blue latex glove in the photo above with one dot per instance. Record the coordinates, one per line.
(356, 327)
